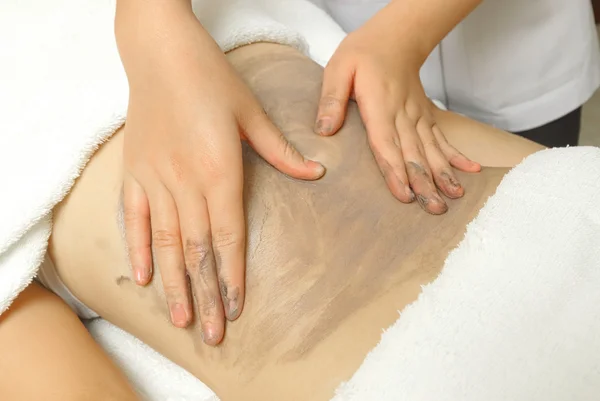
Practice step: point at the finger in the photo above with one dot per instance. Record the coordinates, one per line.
(454, 157)
(270, 143)
(419, 174)
(442, 172)
(385, 145)
(166, 243)
(226, 211)
(200, 264)
(136, 217)
(337, 86)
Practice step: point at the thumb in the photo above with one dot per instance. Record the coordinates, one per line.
(338, 81)
(264, 137)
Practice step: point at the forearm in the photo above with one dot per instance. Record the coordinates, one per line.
(155, 35)
(420, 25)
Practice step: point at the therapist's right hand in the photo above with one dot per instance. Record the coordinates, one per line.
(183, 179)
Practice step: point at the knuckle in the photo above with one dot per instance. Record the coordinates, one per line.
(387, 148)
(225, 239)
(384, 167)
(439, 171)
(330, 102)
(173, 290)
(165, 240)
(376, 149)
(447, 175)
(288, 150)
(398, 167)
(417, 169)
(208, 306)
(137, 254)
(131, 215)
(214, 171)
(171, 287)
(176, 168)
(198, 256)
(413, 113)
(430, 144)
(406, 127)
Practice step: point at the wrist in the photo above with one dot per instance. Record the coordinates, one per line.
(416, 27)
(397, 30)
(142, 22)
(148, 15)
(158, 38)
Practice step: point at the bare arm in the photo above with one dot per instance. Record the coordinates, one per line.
(152, 33)
(420, 25)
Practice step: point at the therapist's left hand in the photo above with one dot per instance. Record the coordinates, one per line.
(412, 153)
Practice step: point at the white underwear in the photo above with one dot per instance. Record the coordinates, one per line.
(49, 278)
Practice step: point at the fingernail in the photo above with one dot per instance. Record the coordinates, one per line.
(423, 201)
(178, 315)
(230, 296)
(208, 335)
(324, 126)
(409, 192)
(453, 183)
(437, 199)
(318, 167)
(141, 276)
(232, 309)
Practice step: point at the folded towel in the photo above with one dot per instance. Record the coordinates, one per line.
(64, 92)
(514, 315)
(515, 312)
(154, 377)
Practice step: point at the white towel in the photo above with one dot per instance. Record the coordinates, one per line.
(63, 92)
(514, 315)
(154, 377)
(515, 312)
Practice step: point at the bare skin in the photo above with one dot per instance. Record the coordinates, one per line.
(329, 263)
(47, 354)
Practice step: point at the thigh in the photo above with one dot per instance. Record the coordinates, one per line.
(47, 354)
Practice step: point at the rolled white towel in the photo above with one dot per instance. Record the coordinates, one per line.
(515, 312)
(154, 377)
(514, 315)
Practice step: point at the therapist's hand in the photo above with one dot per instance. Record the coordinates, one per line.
(410, 149)
(183, 178)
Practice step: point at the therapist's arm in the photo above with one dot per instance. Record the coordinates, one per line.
(379, 65)
(418, 26)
